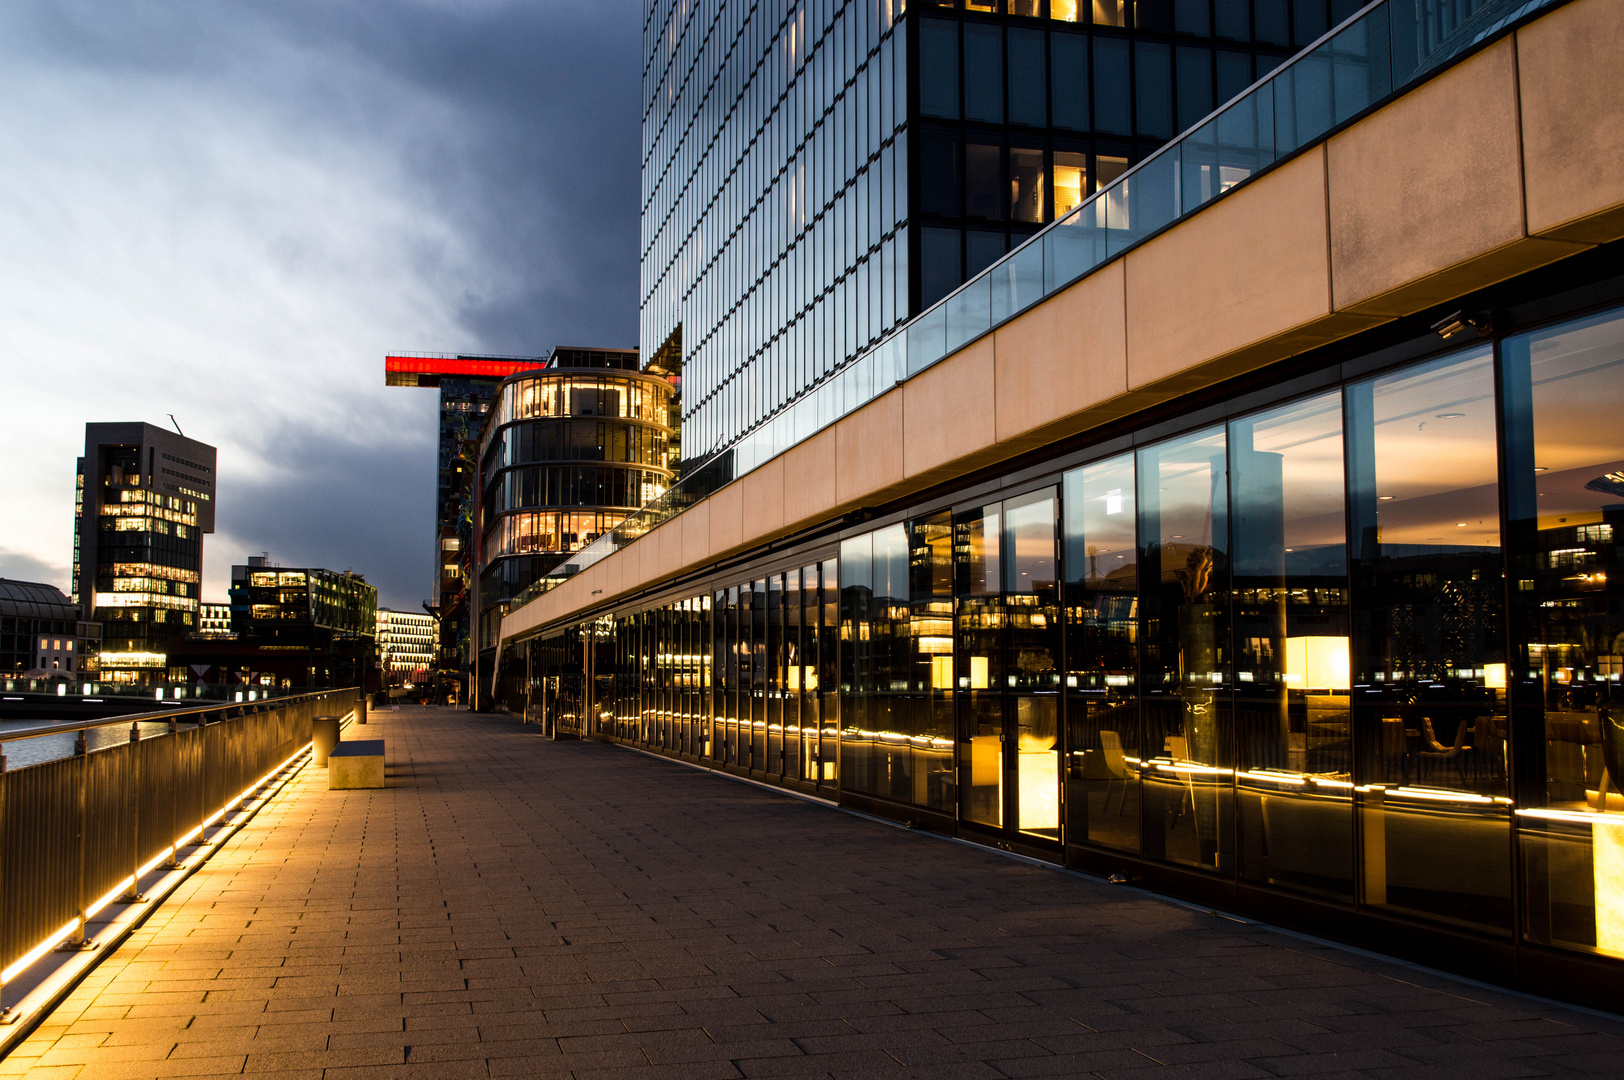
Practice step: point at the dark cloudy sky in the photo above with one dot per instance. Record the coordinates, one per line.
(230, 210)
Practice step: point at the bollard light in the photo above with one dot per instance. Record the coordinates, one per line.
(160, 693)
(61, 689)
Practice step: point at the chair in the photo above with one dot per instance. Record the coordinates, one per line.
(1116, 762)
(1439, 752)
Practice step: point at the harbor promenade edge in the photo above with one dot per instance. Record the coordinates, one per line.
(509, 905)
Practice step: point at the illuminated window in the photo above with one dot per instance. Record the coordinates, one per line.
(1070, 181)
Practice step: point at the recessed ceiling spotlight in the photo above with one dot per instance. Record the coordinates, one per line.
(1542, 468)
(1384, 498)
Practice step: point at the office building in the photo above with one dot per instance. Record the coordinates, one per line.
(144, 499)
(406, 647)
(1250, 533)
(817, 173)
(214, 621)
(42, 633)
(304, 626)
(565, 455)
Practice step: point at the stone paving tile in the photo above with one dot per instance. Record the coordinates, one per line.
(511, 906)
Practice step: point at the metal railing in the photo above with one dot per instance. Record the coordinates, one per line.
(1380, 51)
(79, 833)
(91, 687)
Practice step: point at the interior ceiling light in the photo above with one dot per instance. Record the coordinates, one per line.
(1450, 415)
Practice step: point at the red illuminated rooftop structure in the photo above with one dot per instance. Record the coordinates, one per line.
(427, 369)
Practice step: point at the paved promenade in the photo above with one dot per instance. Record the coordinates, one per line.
(511, 906)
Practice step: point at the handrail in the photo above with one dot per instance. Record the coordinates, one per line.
(68, 727)
(82, 832)
(1379, 52)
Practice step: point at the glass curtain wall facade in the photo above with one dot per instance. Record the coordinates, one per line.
(1357, 644)
(1024, 108)
(565, 454)
(774, 197)
(817, 172)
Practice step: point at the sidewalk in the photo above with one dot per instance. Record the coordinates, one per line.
(511, 906)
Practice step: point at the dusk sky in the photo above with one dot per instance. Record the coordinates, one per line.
(231, 212)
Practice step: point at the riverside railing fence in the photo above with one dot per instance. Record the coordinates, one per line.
(78, 833)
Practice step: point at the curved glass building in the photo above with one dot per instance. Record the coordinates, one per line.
(566, 454)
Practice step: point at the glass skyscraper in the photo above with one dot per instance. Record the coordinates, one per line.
(816, 173)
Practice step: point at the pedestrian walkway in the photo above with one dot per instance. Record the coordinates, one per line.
(511, 906)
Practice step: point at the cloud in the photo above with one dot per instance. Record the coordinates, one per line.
(230, 212)
(20, 566)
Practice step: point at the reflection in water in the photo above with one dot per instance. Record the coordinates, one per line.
(21, 752)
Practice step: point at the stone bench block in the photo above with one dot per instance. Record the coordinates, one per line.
(355, 763)
(324, 736)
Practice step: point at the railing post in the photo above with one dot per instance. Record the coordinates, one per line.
(174, 794)
(133, 894)
(203, 775)
(81, 750)
(5, 1010)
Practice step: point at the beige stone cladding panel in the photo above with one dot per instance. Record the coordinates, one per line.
(761, 498)
(696, 534)
(667, 550)
(868, 451)
(809, 478)
(1571, 75)
(1064, 356)
(1239, 273)
(1426, 194)
(726, 525)
(948, 411)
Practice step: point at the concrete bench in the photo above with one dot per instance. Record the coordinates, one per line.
(323, 737)
(355, 763)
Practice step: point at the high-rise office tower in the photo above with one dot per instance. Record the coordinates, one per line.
(145, 498)
(817, 172)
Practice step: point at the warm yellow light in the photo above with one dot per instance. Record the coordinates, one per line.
(38, 951)
(1040, 790)
(978, 672)
(1063, 10)
(1494, 676)
(1607, 868)
(941, 673)
(1317, 663)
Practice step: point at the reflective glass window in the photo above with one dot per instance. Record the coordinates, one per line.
(1185, 662)
(1111, 87)
(1101, 605)
(1153, 89)
(984, 179)
(1565, 479)
(984, 72)
(1027, 77)
(1069, 80)
(1429, 671)
(939, 173)
(1290, 584)
(939, 68)
(1193, 17)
